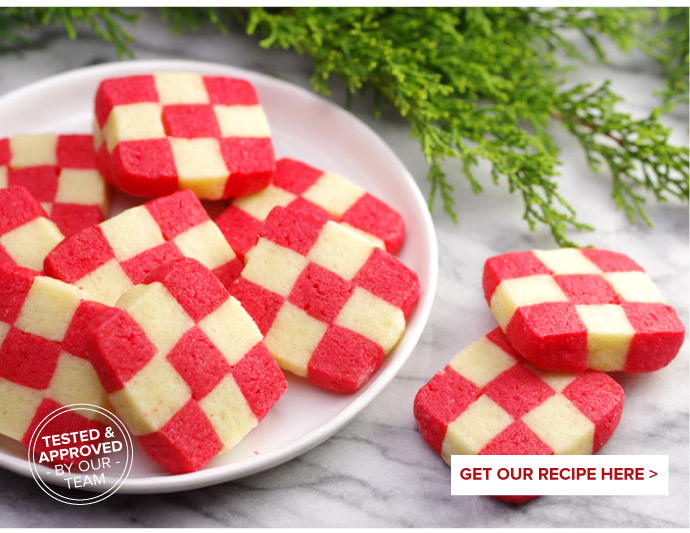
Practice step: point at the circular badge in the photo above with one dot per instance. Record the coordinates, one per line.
(80, 454)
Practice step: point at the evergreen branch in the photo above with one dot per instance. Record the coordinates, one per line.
(636, 152)
(481, 84)
(193, 18)
(670, 48)
(12, 32)
(104, 22)
(474, 84)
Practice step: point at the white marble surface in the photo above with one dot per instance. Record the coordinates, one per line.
(378, 471)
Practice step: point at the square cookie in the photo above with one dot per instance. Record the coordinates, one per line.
(322, 194)
(572, 309)
(109, 258)
(44, 363)
(156, 134)
(27, 235)
(184, 366)
(490, 401)
(60, 172)
(330, 304)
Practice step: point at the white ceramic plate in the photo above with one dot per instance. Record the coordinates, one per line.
(304, 127)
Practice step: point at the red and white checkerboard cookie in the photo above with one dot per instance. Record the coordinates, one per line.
(26, 233)
(330, 304)
(60, 172)
(490, 401)
(184, 366)
(573, 309)
(169, 131)
(44, 364)
(109, 258)
(323, 194)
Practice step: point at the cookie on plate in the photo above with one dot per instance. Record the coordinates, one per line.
(107, 259)
(330, 304)
(573, 309)
(184, 366)
(60, 172)
(156, 134)
(27, 235)
(323, 194)
(44, 363)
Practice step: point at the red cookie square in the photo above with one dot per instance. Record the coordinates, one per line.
(572, 309)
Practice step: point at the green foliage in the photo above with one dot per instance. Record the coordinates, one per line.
(484, 84)
(670, 48)
(12, 37)
(192, 18)
(474, 84)
(105, 22)
(636, 152)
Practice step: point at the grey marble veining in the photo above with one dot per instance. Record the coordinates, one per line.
(378, 471)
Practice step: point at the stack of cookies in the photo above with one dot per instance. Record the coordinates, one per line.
(537, 384)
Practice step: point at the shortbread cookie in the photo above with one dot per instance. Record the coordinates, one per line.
(323, 194)
(26, 233)
(490, 401)
(330, 304)
(573, 309)
(109, 258)
(44, 364)
(60, 172)
(156, 134)
(184, 366)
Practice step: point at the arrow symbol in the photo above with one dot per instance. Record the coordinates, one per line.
(653, 473)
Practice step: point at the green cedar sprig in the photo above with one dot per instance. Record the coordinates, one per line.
(105, 22)
(193, 18)
(636, 152)
(670, 48)
(484, 84)
(474, 84)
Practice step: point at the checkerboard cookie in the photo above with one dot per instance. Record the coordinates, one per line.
(60, 172)
(107, 259)
(44, 363)
(330, 304)
(491, 401)
(26, 233)
(323, 194)
(573, 309)
(184, 366)
(156, 134)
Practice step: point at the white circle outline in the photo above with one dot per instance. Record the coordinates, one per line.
(93, 499)
(50, 417)
(80, 407)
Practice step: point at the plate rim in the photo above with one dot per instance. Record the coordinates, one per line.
(171, 483)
